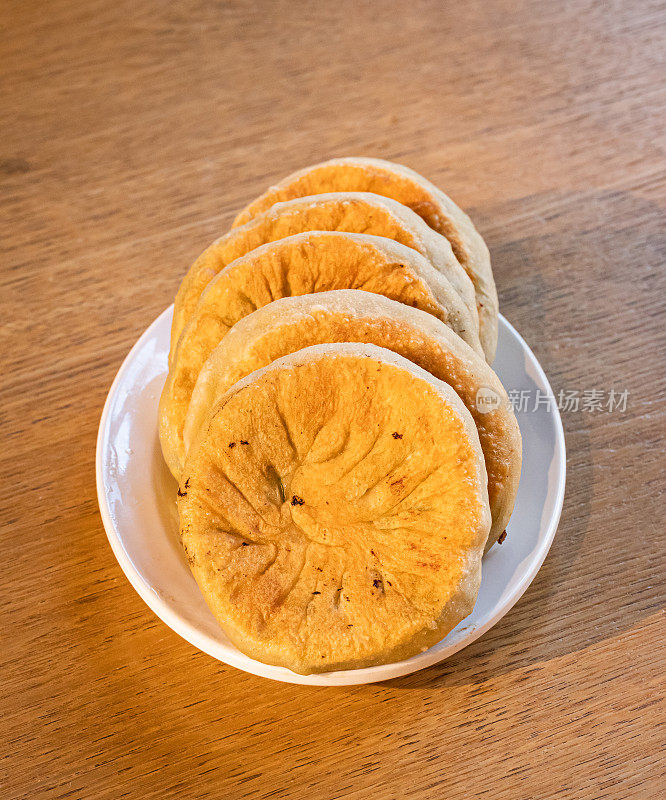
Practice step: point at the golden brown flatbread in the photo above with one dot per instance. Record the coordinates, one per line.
(334, 510)
(302, 264)
(293, 323)
(354, 212)
(413, 190)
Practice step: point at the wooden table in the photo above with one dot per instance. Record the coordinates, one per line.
(132, 132)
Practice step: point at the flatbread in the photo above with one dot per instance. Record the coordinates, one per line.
(334, 510)
(354, 212)
(292, 323)
(302, 264)
(413, 190)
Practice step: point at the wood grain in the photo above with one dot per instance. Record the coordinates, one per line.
(132, 132)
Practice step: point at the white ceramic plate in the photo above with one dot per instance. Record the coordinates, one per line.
(137, 501)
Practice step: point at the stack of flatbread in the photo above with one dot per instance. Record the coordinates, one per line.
(338, 485)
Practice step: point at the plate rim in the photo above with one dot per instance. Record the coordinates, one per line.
(350, 677)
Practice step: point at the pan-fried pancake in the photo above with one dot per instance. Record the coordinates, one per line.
(302, 264)
(293, 323)
(334, 510)
(411, 189)
(354, 212)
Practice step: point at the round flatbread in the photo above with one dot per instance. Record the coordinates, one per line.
(334, 510)
(292, 323)
(302, 264)
(354, 212)
(413, 190)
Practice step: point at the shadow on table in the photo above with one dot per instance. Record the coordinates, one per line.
(535, 630)
(575, 600)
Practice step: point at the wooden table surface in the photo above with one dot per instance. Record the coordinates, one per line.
(131, 134)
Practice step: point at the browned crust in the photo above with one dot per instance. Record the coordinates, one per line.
(413, 190)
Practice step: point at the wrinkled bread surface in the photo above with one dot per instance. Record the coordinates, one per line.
(334, 509)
